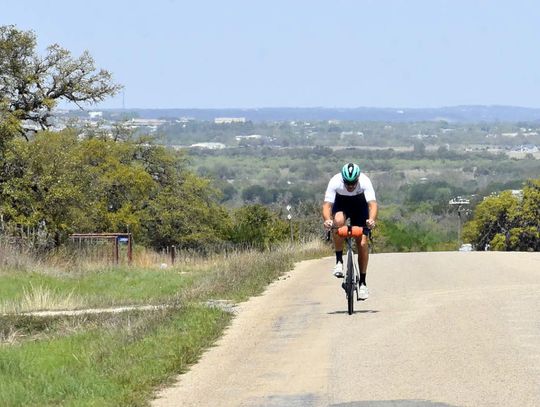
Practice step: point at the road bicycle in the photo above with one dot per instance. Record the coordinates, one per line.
(351, 281)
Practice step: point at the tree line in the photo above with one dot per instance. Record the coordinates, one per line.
(56, 184)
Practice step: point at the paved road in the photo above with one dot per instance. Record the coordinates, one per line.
(440, 329)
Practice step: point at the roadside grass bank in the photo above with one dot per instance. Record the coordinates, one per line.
(120, 359)
(110, 362)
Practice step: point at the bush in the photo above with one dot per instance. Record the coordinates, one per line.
(258, 226)
(507, 221)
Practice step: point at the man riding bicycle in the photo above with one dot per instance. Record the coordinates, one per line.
(350, 194)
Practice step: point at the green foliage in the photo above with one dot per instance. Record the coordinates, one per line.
(258, 226)
(403, 238)
(437, 193)
(507, 221)
(186, 215)
(257, 193)
(419, 149)
(9, 126)
(403, 230)
(31, 85)
(40, 185)
(491, 222)
(59, 184)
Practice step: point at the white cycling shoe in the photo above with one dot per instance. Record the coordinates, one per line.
(338, 270)
(363, 292)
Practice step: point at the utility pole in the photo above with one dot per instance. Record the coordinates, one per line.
(461, 204)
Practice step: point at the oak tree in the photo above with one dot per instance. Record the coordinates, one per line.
(32, 85)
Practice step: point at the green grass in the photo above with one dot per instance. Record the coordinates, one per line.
(103, 287)
(118, 365)
(121, 359)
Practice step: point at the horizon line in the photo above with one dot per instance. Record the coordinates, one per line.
(305, 107)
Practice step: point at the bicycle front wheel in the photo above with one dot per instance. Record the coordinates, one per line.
(349, 284)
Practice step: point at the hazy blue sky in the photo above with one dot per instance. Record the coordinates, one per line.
(276, 53)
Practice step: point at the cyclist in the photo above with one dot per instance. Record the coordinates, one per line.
(350, 194)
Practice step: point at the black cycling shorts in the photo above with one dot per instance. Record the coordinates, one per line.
(354, 207)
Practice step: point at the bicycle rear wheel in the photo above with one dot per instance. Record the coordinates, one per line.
(349, 283)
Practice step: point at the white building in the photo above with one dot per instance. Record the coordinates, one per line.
(228, 120)
(146, 122)
(209, 146)
(250, 137)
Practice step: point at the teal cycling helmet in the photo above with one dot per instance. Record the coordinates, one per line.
(350, 173)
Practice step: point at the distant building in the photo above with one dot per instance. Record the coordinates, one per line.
(250, 137)
(527, 148)
(209, 146)
(229, 120)
(146, 122)
(95, 115)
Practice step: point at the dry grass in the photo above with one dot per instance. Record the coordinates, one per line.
(41, 299)
(11, 337)
(71, 261)
(234, 274)
(242, 274)
(16, 258)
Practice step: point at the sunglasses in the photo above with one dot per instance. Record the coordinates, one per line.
(350, 184)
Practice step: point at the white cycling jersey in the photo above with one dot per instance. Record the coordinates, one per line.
(337, 186)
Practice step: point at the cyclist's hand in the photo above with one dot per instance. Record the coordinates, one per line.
(370, 223)
(328, 224)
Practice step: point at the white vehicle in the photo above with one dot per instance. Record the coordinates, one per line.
(465, 247)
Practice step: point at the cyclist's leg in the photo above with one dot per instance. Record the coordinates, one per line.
(363, 257)
(339, 215)
(339, 220)
(363, 253)
(359, 219)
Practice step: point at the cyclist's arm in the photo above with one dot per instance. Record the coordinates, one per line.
(327, 211)
(373, 209)
(329, 197)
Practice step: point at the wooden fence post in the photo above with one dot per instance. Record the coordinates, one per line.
(130, 249)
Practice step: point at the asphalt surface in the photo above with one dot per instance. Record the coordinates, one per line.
(439, 329)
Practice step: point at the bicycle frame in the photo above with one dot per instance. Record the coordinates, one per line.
(352, 278)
